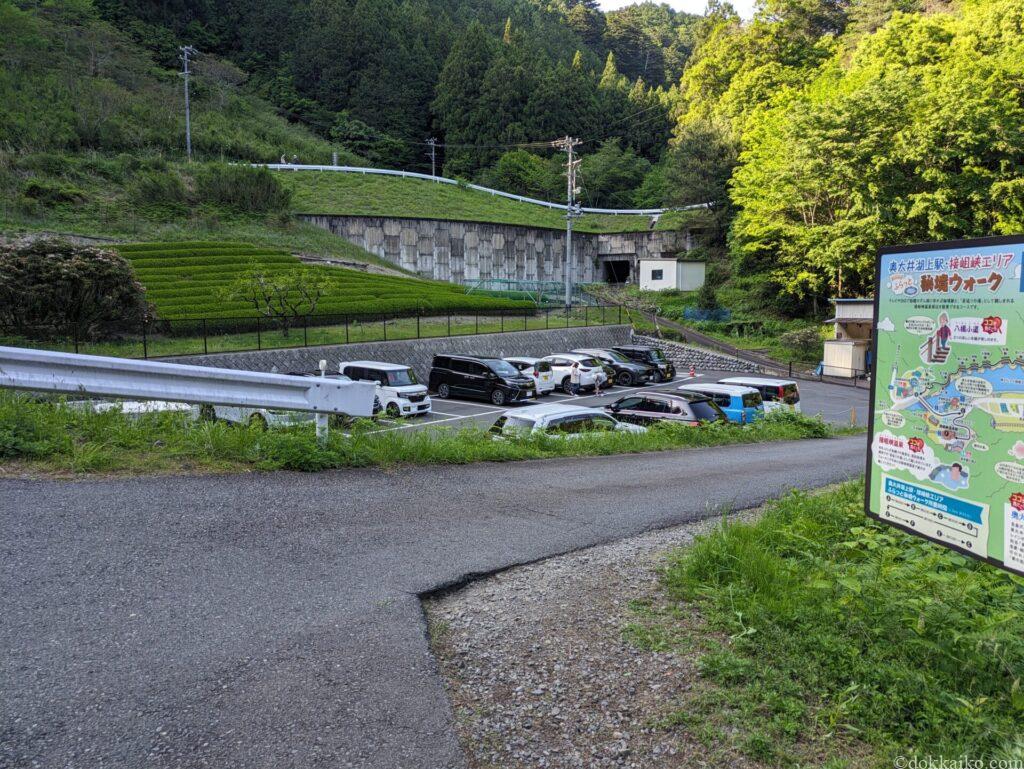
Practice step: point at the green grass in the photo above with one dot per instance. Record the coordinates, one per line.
(747, 329)
(330, 192)
(108, 209)
(191, 279)
(825, 638)
(41, 436)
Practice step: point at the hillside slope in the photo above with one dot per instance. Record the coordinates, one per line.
(355, 194)
(72, 82)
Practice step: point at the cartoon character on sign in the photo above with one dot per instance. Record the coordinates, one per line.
(916, 445)
(1017, 501)
(992, 325)
(944, 333)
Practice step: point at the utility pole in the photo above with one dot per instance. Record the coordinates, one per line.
(568, 145)
(186, 51)
(432, 143)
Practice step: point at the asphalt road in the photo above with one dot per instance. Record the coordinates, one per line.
(274, 620)
(833, 402)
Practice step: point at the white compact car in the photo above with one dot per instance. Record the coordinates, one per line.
(777, 394)
(559, 420)
(398, 389)
(591, 370)
(540, 370)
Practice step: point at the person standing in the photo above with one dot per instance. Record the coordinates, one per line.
(574, 379)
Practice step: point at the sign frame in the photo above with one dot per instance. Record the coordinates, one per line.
(870, 467)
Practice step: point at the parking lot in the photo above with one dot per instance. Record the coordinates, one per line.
(833, 402)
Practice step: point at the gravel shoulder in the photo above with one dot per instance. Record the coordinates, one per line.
(541, 671)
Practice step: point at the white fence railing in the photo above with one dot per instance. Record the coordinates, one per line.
(477, 187)
(94, 375)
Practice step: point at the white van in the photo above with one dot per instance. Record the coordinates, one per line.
(777, 394)
(398, 389)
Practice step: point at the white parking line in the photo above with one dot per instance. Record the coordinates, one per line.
(437, 421)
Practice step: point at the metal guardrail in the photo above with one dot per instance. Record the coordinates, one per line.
(94, 375)
(477, 187)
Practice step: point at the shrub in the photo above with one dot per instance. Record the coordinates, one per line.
(804, 341)
(52, 194)
(242, 188)
(160, 188)
(55, 287)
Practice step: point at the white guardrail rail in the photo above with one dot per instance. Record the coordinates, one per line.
(477, 187)
(94, 375)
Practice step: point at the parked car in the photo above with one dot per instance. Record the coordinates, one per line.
(559, 420)
(684, 408)
(777, 394)
(592, 372)
(264, 418)
(651, 356)
(400, 392)
(742, 405)
(473, 376)
(540, 370)
(625, 371)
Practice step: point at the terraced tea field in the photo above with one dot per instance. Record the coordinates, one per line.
(191, 279)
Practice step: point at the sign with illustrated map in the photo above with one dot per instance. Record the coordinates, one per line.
(946, 456)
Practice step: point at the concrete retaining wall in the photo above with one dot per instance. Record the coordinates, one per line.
(417, 353)
(469, 251)
(683, 355)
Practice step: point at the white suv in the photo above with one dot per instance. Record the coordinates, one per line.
(398, 389)
(539, 369)
(591, 371)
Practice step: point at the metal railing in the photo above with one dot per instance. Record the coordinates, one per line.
(100, 376)
(204, 336)
(477, 187)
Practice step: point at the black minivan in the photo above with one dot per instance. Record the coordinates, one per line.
(472, 376)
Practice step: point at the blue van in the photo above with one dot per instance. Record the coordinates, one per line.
(741, 404)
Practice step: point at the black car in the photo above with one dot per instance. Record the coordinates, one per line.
(685, 408)
(651, 356)
(473, 376)
(625, 371)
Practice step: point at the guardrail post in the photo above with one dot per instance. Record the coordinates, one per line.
(305, 331)
(259, 335)
(502, 316)
(449, 324)
(586, 315)
(385, 329)
(476, 319)
(547, 317)
(417, 325)
(75, 332)
(321, 428)
(206, 347)
(145, 342)
(346, 329)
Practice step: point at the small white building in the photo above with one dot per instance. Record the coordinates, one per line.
(681, 274)
(848, 354)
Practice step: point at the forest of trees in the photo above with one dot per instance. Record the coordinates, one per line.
(817, 131)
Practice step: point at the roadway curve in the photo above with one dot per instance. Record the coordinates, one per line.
(273, 620)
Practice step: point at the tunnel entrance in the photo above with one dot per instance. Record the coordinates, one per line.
(617, 271)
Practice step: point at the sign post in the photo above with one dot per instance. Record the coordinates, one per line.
(946, 430)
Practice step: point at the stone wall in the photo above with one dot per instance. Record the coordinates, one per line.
(469, 251)
(417, 353)
(684, 356)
